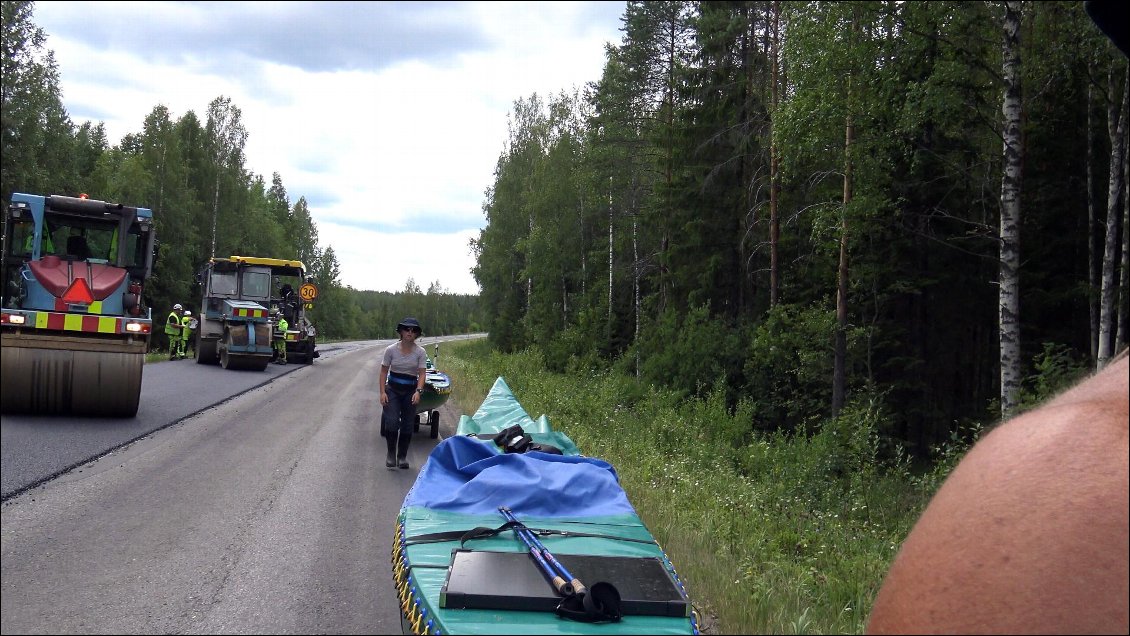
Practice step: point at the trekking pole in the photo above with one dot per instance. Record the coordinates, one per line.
(574, 585)
(558, 583)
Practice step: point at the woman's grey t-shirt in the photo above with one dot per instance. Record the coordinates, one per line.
(411, 363)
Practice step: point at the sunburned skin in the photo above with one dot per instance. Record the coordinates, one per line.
(1029, 533)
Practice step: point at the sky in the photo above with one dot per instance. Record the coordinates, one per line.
(388, 117)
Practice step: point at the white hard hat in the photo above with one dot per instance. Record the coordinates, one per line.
(188, 312)
(177, 307)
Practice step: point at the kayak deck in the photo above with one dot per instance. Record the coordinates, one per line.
(575, 506)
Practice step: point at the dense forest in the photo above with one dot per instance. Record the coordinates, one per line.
(915, 208)
(190, 170)
(806, 207)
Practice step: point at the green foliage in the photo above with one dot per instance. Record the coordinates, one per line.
(1056, 368)
(692, 354)
(643, 198)
(646, 200)
(790, 366)
(772, 532)
(945, 457)
(373, 315)
(572, 350)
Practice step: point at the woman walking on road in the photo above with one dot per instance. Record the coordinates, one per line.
(402, 382)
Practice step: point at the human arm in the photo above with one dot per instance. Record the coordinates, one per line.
(421, 375)
(1029, 533)
(381, 385)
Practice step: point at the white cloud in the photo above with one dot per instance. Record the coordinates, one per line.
(394, 155)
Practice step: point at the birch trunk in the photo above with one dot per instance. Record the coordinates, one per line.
(215, 210)
(1116, 128)
(581, 245)
(1124, 272)
(1124, 275)
(636, 290)
(1009, 299)
(161, 171)
(839, 373)
(529, 279)
(610, 252)
(667, 286)
(774, 171)
(839, 362)
(1092, 260)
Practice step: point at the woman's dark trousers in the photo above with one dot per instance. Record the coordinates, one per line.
(397, 423)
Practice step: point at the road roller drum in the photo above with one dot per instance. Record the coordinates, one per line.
(46, 375)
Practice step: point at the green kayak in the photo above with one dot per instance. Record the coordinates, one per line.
(437, 390)
(510, 529)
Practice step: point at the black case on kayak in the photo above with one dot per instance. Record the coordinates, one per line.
(512, 581)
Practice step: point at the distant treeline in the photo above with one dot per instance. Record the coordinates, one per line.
(191, 172)
(915, 209)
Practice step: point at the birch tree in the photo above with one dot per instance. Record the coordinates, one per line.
(1124, 288)
(774, 161)
(1108, 297)
(1013, 153)
(839, 373)
(1092, 220)
(227, 138)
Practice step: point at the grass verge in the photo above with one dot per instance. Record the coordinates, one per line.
(773, 533)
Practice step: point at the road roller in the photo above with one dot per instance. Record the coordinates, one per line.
(235, 329)
(74, 328)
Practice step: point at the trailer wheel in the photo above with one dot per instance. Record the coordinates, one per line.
(433, 420)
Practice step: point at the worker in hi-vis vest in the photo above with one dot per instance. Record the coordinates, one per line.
(48, 246)
(188, 325)
(175, 330)
(280, 337)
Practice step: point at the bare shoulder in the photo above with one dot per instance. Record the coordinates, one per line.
(1030, 532)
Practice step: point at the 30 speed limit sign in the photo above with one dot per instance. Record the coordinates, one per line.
(308, 292)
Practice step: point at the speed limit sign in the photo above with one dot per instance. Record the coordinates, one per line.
(308, 292)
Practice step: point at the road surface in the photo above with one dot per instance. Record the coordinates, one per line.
(265, 510)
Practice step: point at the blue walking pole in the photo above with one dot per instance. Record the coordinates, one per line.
(539, 555)
(599, 605)
(574, 585)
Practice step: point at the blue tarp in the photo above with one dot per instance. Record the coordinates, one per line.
(468, 476)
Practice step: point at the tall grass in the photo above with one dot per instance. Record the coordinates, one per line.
(786, 534)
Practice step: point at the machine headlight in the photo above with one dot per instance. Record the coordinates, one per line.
(15, 319)
(133, 326)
